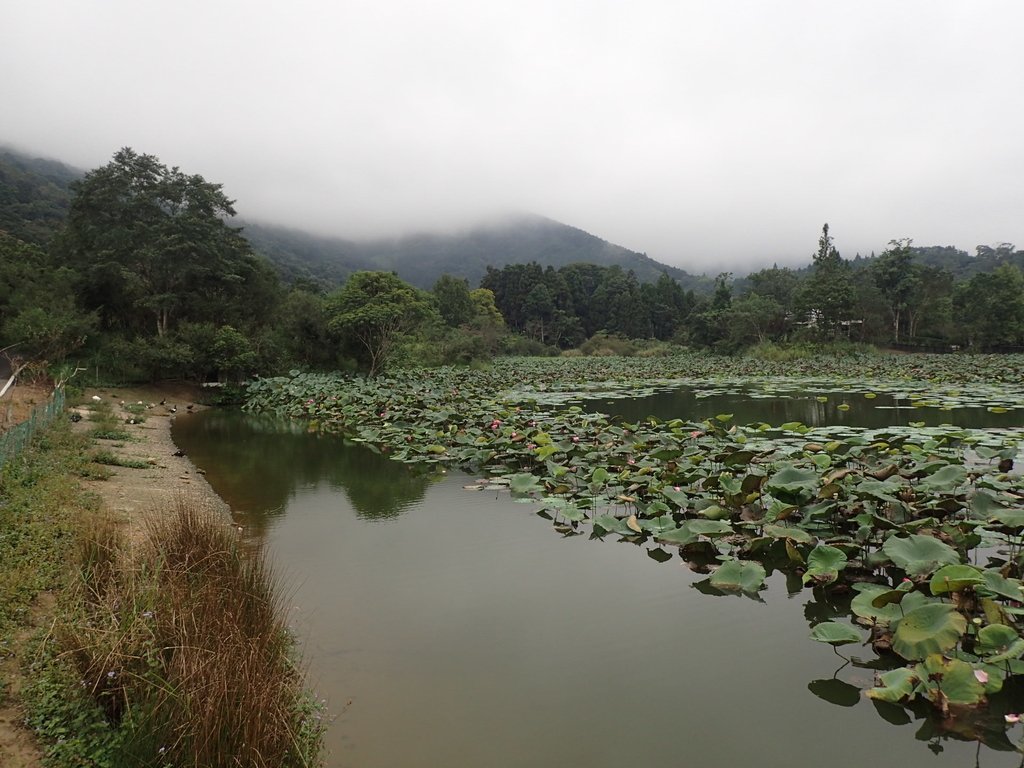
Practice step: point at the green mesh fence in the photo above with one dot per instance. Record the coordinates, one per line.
(17, 438)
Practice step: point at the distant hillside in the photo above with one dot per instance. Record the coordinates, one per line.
(34, 196)
(299, 255)
(421, 259)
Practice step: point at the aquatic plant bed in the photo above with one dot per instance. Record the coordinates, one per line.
(910, 538)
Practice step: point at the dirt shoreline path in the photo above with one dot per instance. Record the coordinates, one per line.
(135, 497)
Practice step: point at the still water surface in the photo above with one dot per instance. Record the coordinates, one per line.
(750, 405)
(455, 628)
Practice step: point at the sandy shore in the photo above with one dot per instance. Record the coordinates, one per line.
(138, 496)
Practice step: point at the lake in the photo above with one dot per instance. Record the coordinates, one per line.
(457, 628)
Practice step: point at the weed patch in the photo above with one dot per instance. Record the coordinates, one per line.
(109, 458)
(184, 649)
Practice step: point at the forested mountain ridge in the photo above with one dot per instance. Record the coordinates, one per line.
(35, 195)
(421, 258)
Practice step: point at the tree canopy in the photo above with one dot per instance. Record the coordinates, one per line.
(152, 245)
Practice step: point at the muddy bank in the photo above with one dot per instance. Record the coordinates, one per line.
(136, 496)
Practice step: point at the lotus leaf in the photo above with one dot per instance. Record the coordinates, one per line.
(955, 578)
(893, 596)
(995, 639)
(524, 483)
(835, 633)
(658, 524)
(790, 532)
(613, 524)
(896, 685)
(824, 564)
(928, 629)
(919, 555)
(676, 496)
(947, 479)
(793, 485)
(1011, 518)
(949, 681)
(998, 584)
(738, 575)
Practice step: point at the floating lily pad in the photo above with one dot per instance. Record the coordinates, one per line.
(932, 628)
(835, 633)
(824, 564)
(955, 578)
(738, 575)
(919, 555)
(896, 685)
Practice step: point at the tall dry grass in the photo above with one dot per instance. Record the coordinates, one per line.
(184, 645)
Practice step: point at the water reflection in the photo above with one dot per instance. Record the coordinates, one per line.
(751, 406)
(483, 639)
(262, 461)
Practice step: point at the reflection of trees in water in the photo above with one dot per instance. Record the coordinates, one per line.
(256, 464)
(802, 406)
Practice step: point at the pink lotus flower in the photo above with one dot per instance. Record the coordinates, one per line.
(575, 439)
(1012, 718)
(696, 433)
(981, 675)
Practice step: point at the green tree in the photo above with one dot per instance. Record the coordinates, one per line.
(989, 308)
(826, 299)
(454, 302)
(152, 245)
(930, 305)
(754, 319)
(667, 306)
(374, 311)
(40, 322)
(896, 276)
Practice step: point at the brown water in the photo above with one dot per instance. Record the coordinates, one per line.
(455, 628)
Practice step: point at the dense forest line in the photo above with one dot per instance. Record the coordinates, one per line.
(137, 274)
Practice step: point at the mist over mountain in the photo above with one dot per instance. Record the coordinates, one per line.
(421, 258)
(35, 195)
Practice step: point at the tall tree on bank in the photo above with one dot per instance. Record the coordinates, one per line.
(152, 245)
(373, 311)
(826, 298)
(896, 277)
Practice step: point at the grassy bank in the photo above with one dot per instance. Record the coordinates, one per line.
(174, 652)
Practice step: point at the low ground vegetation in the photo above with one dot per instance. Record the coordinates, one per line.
(173, 652)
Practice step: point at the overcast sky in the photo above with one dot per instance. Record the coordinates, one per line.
(711, 135)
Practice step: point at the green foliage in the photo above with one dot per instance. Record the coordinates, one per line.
(34, 196)
(39, 319)
(152, 247)
(372, 313)
(454, 302)
(825, 300)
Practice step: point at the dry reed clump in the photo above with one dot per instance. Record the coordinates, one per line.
(185, 648)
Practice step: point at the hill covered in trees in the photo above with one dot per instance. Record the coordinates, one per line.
(35, 196)
(420, 259)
